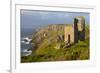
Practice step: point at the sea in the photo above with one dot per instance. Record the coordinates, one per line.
(26, 33)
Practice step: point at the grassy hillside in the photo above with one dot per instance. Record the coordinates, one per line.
(49, 46)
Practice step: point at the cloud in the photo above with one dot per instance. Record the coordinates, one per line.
(35, 18)
(26, 12)
(43, 13)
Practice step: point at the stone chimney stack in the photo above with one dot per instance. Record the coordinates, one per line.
(75, 30)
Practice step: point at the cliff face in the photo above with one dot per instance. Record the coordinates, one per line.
(50, 35)
(51, 32)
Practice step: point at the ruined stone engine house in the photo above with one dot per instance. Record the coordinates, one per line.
(75, 32)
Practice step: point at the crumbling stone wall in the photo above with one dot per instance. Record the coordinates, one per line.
(81, 28)
(69, 34)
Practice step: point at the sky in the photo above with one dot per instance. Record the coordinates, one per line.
(34, 19)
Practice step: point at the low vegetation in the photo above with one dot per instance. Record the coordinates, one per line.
(50, 47)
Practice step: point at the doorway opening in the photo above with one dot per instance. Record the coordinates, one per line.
(68, 38)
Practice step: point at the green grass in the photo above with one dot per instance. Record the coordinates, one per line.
(79, 51)
(47, 52)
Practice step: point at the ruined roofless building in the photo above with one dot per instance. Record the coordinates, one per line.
(75, 32)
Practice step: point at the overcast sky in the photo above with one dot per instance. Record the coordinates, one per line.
(34, 19)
